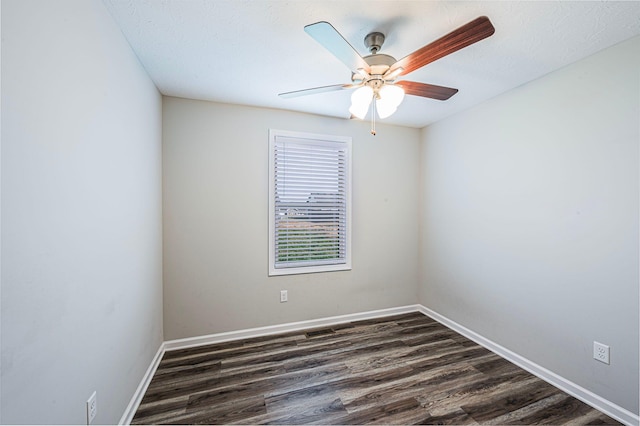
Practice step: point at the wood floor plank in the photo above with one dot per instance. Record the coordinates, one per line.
(401, 369)
(393, 412)
(161, 411)
(304, 407)
(509, 400)
(456, 417)
(515, 415)
(308, 413)
(424, 383)
(474, 392)
(237, 411)
(565, 410)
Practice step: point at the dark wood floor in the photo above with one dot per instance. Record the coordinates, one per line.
(406, 369)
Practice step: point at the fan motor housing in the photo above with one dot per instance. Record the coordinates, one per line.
(379, 62)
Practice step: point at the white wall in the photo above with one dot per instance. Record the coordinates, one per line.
(81, 214)
(0, 218)
(529, 218)
(215, 169)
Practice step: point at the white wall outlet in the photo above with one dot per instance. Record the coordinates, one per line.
(284, 296)
(92, 408)
(601, 352)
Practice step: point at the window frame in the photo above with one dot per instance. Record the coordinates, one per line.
(344, 141)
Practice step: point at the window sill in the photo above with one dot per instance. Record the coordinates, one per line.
(309, 269)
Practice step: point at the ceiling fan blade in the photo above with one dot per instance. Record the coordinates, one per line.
(427, 90)
(314, 90)
(472, 32)
(324, 33)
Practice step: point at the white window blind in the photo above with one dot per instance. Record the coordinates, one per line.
(309, 203)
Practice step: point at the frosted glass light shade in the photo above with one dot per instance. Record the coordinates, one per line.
(360, 101)
(388, 100)
(385, 108)
(391, 93)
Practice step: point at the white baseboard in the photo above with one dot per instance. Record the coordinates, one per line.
(284, 328)
(615, 411)
(607, 407)
(127, 417)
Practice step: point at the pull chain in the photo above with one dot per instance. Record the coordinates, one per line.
(373, 116)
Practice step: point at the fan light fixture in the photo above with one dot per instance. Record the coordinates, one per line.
(374, 76)
(388, 98)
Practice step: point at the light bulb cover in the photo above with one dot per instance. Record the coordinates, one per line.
(389, 97)
(360, 101)
(391, 93)
(385, 108)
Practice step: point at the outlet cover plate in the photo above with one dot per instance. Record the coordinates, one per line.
(92, 408)
(284, 296)
(601, 352)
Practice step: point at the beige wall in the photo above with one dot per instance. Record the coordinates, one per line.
(215, 159)
(529, 220)
(81, 214)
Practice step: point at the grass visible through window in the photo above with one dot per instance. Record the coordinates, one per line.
(303, 240)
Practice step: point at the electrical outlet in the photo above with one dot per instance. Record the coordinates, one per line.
(601, 352)
(92, 407)
(283, 296)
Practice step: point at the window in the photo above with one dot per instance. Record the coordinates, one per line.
(309, 203)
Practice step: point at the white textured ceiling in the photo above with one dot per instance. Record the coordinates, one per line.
(247, 51)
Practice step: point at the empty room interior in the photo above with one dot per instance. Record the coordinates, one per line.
(319, 212)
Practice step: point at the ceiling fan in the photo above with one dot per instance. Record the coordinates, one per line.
(375, 75)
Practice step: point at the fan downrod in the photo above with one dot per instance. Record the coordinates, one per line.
(373, 42)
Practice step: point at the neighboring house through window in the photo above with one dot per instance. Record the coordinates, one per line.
(309, 203)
